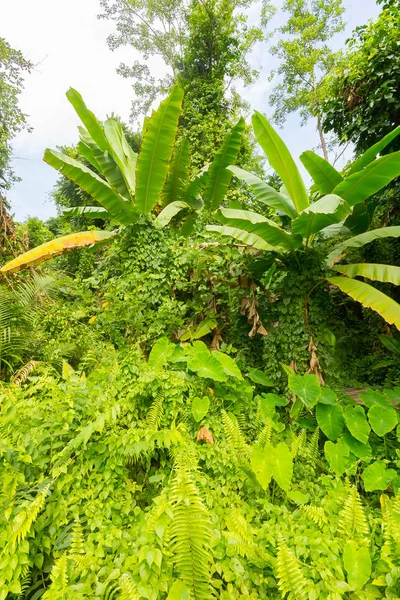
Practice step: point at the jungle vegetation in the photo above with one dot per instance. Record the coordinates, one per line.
(200, 362)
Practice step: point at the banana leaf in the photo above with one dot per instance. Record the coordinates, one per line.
(89, 181)
(259, 225)
(325, 177)
(370, 297)
(122, 154)
(280, 160)
(250, 239)
(88, 119)
(172, 209)
(385, 273)
(265, 193)
(373, 152)
(219, 177)
(93, 212)
(178, 177)
(156, 151)
(364, 238)
(361, 185)
(54, 248)
(329, 210)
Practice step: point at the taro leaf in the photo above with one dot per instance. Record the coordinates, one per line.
(306, 387)
(377, 477)
(282, 465)
(338, 456)
(357, 423)
(200, 407)
(330, 419)
(267, 406)
(228, 364)
(328, 396)
(262, 464)
(382, 419)
(298, 497)
(373, 397)
(357, 448)
(277, 400)
(357, 562)
(161, 352)
(260, 378)
(205, 364)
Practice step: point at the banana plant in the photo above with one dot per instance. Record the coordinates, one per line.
(126, 185)
(298, 219)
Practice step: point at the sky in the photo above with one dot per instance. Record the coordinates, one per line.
(67, 44)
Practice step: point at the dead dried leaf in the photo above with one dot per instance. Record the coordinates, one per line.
(204, 435)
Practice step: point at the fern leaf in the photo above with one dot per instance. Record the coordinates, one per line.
(190, 536)
(265, 435)
(353, 522)
(77, 540)
(59, 571)
(299, 443)
(312, 450)
(234, 436)
(291, 580)
(25, 519)
(316, 514)
(127, 587)
(22, 374)
(156, 412)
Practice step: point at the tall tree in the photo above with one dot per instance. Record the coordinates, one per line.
(12, 119)
(363, 93)
(306, 59)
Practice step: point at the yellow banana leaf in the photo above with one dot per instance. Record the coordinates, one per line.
(54, 248)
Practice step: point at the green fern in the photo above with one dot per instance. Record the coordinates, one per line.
(127, 588)
(190, 535)
(234, 436)
(59, 572)
(316, 514)
(391, 528)
(299, 443)
(291, 580)
(265, 435)
(353, 522)
(25, 519)
(156, 412)
(312, 449)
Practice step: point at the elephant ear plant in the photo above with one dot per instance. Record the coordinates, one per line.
(299, 220)
(126, 185)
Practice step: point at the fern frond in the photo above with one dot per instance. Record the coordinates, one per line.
(77, 540)
(316, 514)
(265, 435)
(22, 374)
(237, 523)
(127, 587)
(25, 519)
(156, 412)
(299, 443)
(24, 581)
(234, 436)
(391, 526)
(291, 580)
(353, 522)
(59, 571)
(190, 533)
(311, 450)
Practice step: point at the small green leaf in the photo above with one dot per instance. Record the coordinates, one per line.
(282, 465)
(261, 465)
(200, 407)
(178, 591)
(298, 497)
(357, 562)
(357, 423)
(306, 387)
(328, 396)
(382, 419)
(330, 419)
(161, 352)
(377, 477)
(260, 378)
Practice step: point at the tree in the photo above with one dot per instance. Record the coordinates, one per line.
(12, 119)
(305, 59)
(363, 92)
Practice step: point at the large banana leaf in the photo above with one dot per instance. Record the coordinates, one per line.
(88, 119)
(219, 177)
(324, 175)
(172, 209)
(250, 239)
(156, 151)
(89, 181)
(265, 193)
(370, 297)
(281, 160)
(93, 212)
(329, 210)
(383, 273)
(259, 225)
(103, 162)
(178, 177)
(373, 152)
(364, 238)
(54, 248)
(121, 153)
(358, 187)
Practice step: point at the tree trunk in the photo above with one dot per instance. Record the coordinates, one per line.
(322, 138)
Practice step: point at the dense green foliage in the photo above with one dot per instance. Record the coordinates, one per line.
(199, 394)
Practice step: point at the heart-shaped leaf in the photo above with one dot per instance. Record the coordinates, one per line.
(261, 464)
(306, 387)
(357, 562)
(357, 448)
(330, 419)
(260, 378)
(382, 419)
(200, 407)
(377, 477)
(357, 423)
(338, 456)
